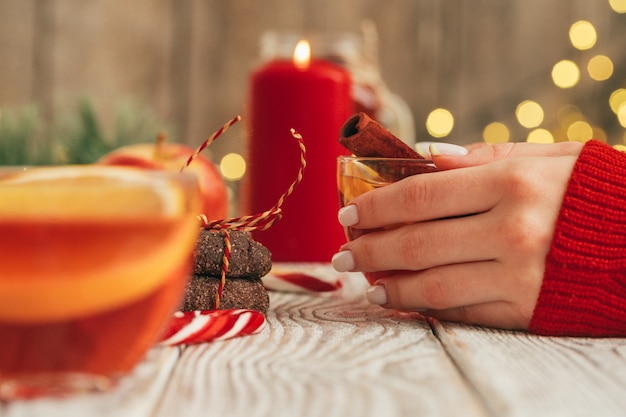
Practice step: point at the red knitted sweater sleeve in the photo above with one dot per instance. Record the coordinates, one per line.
(584, 285)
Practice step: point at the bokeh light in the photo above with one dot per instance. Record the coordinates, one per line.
(496, 132)
(600, 67)
(569, 114)
(540, 136)
(617, 99)
(621, 115)
(529, 114)
(583, 35)
(599, 134)
(618, 5)
(233, 166)
(579, 131)
(565, 74)
(440, 123)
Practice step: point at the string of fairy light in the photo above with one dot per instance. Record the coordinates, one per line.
(565, 74)
(530, 114)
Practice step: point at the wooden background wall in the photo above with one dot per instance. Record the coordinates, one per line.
(189, 60)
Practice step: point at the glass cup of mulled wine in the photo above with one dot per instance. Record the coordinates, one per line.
(93, 262)
(357, 175)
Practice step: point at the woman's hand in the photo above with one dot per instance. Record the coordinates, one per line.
(465, 244)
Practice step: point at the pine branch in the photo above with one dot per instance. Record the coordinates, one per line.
(26, 140)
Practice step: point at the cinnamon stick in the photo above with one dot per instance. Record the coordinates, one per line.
(365, 137)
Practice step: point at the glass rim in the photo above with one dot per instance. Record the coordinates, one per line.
(95, 166)
(380, 158)
(149, 177)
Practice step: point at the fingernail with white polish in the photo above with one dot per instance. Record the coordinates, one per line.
(376, 294)
(343, 261)
(423, 149)
(348, 216)
(448, 149)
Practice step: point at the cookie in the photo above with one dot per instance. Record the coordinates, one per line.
(237, 293)
(248, 258)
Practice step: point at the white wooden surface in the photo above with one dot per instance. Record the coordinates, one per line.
(335, 355)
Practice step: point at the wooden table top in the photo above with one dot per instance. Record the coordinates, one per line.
(333, 354)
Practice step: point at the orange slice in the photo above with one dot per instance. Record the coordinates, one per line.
(105, 194)
(79, 192)
(357, 179)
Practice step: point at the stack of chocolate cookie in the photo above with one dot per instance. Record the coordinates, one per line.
(243, 289)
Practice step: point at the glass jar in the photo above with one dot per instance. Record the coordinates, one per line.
(359, 54)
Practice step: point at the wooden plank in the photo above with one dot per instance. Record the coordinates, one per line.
(136, 395)
(111, 52)
(17, 22)
(189, 61)
(180, 66)
(322, 356)
(43, 53)
(517, 374)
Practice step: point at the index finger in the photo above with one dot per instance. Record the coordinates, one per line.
(479, 154)
(428, 196)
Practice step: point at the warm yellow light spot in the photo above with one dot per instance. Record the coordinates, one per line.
(620, 147)
(302, 54)
(600, 67)
(540, 136)
(618, 6)
(569, 114)
(617, 99)
(583, 35)
(529, 114)
(621, 115)
(579, 132)
(440, 123)
(599, 134)
(233, 166)
(496, 132)
(565, 74)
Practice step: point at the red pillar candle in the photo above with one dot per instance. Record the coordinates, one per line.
(314, 97)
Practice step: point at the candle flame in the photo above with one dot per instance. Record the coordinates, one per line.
(302, 54)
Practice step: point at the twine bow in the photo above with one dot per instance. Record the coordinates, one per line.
(255, 222)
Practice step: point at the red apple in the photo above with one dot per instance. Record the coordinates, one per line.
(171, 157)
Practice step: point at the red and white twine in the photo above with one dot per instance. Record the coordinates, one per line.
(209, 140)
(255, 222)
(265, 220)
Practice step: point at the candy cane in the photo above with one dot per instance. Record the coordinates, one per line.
(312, 280)
(191, 327)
